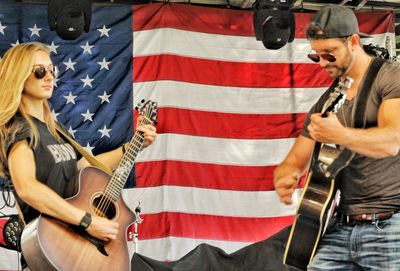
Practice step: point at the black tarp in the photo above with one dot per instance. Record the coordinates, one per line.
(266, 255)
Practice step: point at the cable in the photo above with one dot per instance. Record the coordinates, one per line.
(6, 192)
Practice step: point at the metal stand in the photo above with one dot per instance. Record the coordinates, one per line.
(138, 220)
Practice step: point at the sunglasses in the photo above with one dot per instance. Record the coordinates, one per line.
(328, 57)
(40, 72)
(317, 57)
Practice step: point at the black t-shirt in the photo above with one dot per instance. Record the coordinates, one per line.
(368, 185)
(56, 163)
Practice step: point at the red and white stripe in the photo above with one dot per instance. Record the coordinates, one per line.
(229, 111)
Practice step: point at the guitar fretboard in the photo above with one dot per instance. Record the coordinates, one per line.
(121, 174)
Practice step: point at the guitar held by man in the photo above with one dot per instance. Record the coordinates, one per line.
(320, 195)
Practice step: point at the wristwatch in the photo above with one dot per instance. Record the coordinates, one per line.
(86, 220)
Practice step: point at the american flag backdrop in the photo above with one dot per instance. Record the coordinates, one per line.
(229, 111)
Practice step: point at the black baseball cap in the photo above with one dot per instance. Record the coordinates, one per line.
(336, 21)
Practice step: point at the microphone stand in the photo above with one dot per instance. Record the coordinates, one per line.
(138, 220)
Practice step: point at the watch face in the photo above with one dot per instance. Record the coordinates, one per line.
(86, 220)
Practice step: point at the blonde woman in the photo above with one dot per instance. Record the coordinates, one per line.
(29, 141)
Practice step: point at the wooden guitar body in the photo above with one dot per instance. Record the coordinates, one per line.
(49, 244)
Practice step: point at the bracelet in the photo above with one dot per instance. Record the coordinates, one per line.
(85, 221)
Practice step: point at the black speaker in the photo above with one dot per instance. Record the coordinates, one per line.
(69, 18)
(274, 27)
(12, 231)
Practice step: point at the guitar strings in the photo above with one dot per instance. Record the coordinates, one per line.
(136, 141)
(106, 200)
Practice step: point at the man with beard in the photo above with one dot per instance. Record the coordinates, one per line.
(365, 234)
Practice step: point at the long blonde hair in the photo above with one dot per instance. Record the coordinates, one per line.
(15, 68)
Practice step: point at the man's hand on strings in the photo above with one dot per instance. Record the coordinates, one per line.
(326, 130)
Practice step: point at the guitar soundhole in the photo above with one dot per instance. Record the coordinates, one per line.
(104, 207)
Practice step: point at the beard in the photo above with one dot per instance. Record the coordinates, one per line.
(336, 70)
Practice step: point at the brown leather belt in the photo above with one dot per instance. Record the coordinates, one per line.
(349, 219)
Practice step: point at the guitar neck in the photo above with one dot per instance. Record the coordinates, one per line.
(121, 174)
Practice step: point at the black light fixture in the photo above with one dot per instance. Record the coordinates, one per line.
(69, 18)
(274, 23)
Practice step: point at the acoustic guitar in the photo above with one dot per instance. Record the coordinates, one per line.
(320, 194)
(50, 244)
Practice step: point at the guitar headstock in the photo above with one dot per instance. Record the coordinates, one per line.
(148, 109)
(338, 96)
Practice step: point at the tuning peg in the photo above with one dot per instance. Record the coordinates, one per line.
(138, 106)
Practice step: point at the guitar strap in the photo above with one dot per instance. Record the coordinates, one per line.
(359, 117)
(92, 160)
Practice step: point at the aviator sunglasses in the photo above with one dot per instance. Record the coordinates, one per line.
(317, 57)
(328, 57)
(41, 71)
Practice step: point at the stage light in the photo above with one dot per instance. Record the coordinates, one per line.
(274, 23)
(69, 18)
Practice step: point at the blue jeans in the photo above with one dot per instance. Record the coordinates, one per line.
(360, 246)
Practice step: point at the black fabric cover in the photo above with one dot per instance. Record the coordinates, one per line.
(265, 255)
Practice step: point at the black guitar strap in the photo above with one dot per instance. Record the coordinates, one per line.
(359, 117)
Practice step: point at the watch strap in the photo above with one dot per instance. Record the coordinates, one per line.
(85, 221)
